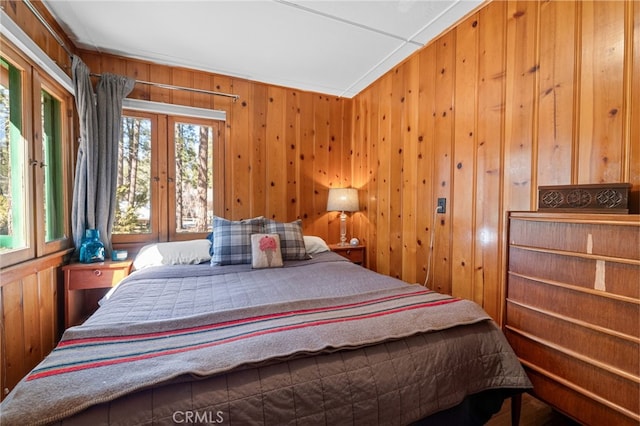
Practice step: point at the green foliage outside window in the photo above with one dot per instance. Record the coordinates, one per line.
(12, 161)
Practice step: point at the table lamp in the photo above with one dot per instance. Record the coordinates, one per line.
(343, 200)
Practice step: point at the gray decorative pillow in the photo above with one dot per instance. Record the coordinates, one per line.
(291, 238)
(232, 240)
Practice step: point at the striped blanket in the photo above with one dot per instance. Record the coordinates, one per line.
(100, 362)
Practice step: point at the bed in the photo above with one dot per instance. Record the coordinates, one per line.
(315, 341)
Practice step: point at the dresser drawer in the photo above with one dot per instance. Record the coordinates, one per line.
(354, 253)
(95, 277)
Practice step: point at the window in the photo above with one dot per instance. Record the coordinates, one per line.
(52, 165)
(35, 152)
(133, 194)
(170, 177)
(13, 154)
(193, 154)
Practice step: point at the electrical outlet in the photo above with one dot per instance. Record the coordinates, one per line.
(442, 205)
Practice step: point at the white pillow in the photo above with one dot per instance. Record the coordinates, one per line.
(315, 244)
(173, 253)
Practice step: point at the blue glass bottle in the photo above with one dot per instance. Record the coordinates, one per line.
(91, 249)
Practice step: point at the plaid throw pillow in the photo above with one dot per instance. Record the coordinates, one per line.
(232, 240)
(291, 238)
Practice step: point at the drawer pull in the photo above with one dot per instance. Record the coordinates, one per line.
(348, 252)
(97, 272)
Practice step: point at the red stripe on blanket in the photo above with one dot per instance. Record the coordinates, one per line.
(64, 370)
(89, 340)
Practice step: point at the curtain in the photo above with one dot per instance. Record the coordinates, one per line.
(94, 191)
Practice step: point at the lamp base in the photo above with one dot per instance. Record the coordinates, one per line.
(343, 229)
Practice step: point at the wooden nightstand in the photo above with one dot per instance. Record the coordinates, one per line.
(86, 283)
(353, 253)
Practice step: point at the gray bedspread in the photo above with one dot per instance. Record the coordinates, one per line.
(317, 342)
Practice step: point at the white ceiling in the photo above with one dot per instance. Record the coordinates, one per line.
(332, 47)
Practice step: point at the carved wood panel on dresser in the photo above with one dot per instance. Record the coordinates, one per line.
(573, 311)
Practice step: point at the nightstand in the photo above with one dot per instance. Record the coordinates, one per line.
(86, 283)
(353, 253)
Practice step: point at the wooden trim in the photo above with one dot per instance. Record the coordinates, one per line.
(572, 354)
(591, 218)
(635, 262)
(581, 390)
(580, 289)
(577, 322)
(33, 266)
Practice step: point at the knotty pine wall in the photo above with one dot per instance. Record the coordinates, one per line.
(284, 147)
(519, 94)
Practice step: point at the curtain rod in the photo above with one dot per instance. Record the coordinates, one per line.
(149, 83)
(186, 89)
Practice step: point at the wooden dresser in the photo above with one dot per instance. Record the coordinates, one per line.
(573, 311)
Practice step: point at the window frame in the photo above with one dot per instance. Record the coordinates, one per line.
(34, 80)
(44, 83)
(217, 127)
(155, 184)
(163, 196)
(17, 60)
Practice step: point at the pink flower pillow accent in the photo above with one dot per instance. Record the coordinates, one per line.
(265, 251)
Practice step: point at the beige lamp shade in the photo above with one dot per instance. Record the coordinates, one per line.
(343, 200)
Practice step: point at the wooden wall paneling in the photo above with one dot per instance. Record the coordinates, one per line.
(372, 166)
(140, 71)
(338, 158)
(306, 159)
(22, 16)
(359, 168)
(411, 264)
(345, 109)
(321, 165)
(184, 78)
(522, 69)
(275, 155)
(292, 147)
(32, 349)
(258, 149)
(367, 155)
(30, 324)
(239, 176)
(462, 203)
(443, 151)
(15, 337)
(556, 116)
(396, 167)
(357, 158)
(49, 301)
(601, 92)
(330, 151)
(426, 218)
(384, 153)
(341, 131)
(633, 175)
(224, 84)
(160, 74)
(114, 65)
(489, 167)
(203, 81)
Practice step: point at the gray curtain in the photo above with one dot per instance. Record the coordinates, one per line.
(94, 191)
